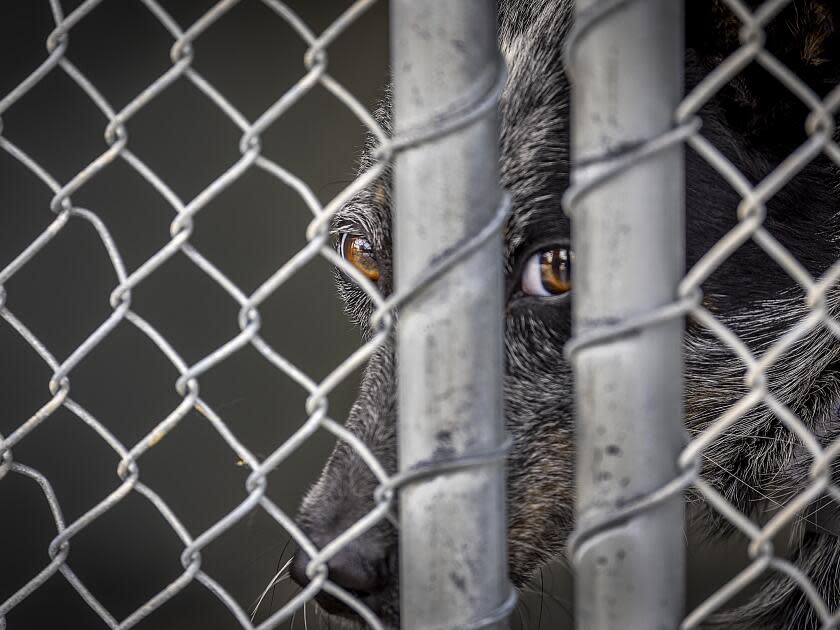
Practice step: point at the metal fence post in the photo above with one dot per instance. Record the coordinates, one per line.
(449, 337)
(626, 64)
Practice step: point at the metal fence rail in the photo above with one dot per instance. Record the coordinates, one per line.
(595, 537)
(627, 224)
(450, 353)
(493, 604)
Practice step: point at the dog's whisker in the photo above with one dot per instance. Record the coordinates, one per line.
(731, 437)
(778, 504)
(564, 605)
(280, 576)
(524, 545)
(275, 582)
(519, 614)
(279, 560)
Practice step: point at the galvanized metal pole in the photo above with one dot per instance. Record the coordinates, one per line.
(449, 338)
(628, 235)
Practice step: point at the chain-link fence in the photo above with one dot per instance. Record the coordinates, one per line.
(634, 514)
(627, 159)
(460, 105)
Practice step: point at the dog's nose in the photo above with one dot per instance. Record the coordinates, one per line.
(360, 568)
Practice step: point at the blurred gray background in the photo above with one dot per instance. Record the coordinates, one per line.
(130, 553)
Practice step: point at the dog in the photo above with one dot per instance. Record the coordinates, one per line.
(758, 464)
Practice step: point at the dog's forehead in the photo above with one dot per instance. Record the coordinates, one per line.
(535, 121)
(534, 134)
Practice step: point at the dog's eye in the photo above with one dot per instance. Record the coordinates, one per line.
(358, 251)
(548, 272)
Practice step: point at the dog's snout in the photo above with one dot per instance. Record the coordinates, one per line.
(362, 568)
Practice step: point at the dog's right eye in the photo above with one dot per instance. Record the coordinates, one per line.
(358, 251)
(548, 272)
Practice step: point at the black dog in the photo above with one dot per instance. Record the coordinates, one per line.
(758, 465)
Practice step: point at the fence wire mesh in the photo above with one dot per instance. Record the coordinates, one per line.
(117, 123)
(751, 214)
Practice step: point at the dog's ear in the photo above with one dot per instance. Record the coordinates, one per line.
(814, 30)
(804, 36)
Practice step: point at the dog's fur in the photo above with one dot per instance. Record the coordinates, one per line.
(758, 465)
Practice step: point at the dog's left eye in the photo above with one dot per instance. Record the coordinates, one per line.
(548, 272)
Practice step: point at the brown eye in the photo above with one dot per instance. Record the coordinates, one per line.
(358, 251)
(548, 272)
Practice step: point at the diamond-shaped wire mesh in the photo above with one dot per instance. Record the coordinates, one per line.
(751, 212)
(187, 386)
